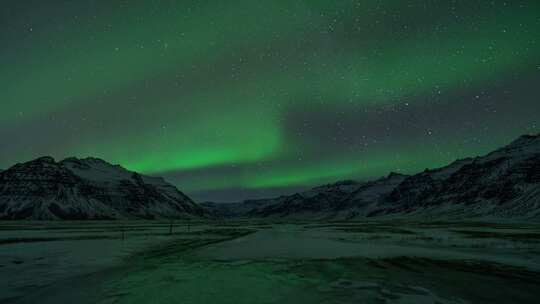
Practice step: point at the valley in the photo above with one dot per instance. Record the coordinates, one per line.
(269, 262)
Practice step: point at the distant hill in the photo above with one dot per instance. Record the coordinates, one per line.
(89, 188)
(502, 184)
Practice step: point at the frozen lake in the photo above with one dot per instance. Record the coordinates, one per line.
(259, 262)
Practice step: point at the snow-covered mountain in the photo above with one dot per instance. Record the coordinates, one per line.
(501, 184)
(87, 188)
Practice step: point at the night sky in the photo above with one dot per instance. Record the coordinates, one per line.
(243, 99)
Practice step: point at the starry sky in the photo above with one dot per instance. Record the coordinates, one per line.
(231, 100)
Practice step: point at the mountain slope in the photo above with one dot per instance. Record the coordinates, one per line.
(504, 184)
(87, 189)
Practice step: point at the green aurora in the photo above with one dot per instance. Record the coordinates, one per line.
(252, 98)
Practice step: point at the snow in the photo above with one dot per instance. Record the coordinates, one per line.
(366, 262)
(97, 170)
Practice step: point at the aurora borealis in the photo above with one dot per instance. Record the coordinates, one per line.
(241, 99)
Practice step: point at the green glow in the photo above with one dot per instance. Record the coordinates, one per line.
(163, 87)
(127, 54)
(374, 165)
(209, 140)
(409, 68)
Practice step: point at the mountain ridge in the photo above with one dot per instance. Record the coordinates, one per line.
(504, 183)
(87, 188)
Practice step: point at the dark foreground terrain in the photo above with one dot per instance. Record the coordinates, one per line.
(254, 262)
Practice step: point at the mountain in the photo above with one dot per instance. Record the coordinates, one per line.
(87, 188)
(502, 184)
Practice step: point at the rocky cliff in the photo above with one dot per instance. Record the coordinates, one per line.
(87, 188)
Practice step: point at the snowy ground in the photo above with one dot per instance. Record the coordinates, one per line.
(249, 262)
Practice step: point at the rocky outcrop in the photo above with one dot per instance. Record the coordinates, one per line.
(87, 188)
